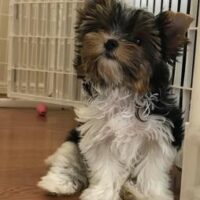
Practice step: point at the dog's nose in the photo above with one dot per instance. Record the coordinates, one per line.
(111, 45)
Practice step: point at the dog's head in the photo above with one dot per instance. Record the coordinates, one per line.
(118, 46)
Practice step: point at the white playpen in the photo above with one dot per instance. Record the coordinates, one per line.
(36, 64)
(4, 8)
(41, 49)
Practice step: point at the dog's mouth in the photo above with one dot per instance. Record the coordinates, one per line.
(110, 55)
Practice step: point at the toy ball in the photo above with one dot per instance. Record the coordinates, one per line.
(41, 109)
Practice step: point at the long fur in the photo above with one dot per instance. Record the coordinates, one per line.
(130, 129)
(112, 133)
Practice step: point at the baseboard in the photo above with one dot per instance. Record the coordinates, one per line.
(16, 103)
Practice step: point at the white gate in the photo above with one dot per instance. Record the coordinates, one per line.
(4, 7)
(41, 51)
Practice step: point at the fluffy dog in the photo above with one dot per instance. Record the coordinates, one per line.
(131, 128)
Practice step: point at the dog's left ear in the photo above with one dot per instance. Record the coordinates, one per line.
(173, 28)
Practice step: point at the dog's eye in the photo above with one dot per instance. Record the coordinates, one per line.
(137, 41)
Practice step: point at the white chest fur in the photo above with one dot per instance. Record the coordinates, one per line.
(110, 126)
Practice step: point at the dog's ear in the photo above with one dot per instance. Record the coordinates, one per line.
(173, 28)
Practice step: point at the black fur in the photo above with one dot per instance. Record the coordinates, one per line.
(73, 136)
(87, 88)
(166, 106)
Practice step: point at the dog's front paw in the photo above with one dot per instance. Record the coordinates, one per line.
(60, 185)
(89, 194)
(99, 193)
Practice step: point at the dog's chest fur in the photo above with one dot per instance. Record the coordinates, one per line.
(111, 127)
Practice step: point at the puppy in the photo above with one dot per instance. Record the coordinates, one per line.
(131, 128)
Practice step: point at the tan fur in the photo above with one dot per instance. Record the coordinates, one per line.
(174, 27)
(141, 85)
(141, 70)
(110, 70)
(93, 45)
(125, 51)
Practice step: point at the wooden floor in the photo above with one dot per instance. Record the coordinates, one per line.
(25, 141)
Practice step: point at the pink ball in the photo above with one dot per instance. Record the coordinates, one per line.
(41, 109)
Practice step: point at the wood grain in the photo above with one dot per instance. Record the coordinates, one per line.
(25, 141)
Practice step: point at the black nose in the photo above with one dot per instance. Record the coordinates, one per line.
(111, 45)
